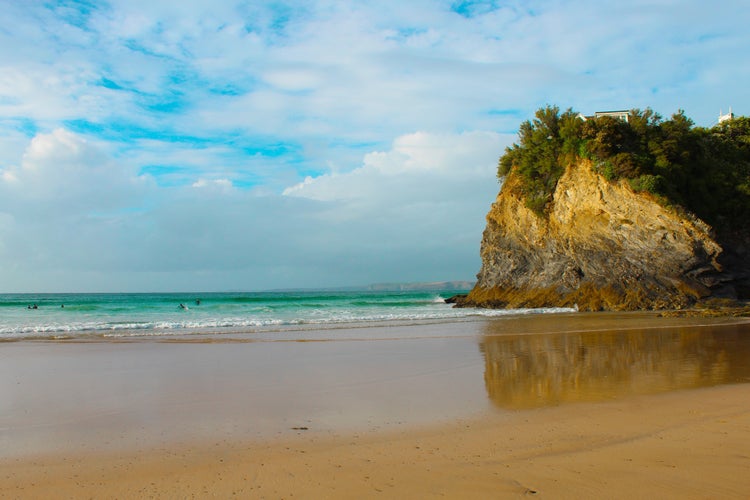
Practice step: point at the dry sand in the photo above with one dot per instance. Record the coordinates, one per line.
(685, 443)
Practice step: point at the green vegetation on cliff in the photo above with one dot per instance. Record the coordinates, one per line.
(703, 170)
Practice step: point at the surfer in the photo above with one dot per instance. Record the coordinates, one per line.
(183, 306)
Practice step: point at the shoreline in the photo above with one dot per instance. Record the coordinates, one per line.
(564, 405)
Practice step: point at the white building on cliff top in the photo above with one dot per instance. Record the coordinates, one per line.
(620, 115)
(728, 116)
(623, 115)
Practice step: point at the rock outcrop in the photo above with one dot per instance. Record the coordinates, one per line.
(601, 247)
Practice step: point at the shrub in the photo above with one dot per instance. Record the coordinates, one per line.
(648, 183)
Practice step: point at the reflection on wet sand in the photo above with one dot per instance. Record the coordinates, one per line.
(534, 370)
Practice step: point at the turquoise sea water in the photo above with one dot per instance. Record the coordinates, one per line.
(169, 314)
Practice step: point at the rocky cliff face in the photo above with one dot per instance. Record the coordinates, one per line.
(602, 247)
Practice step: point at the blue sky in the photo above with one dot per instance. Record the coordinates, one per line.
(159, 145)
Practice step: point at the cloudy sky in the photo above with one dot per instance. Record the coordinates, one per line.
(164, 145)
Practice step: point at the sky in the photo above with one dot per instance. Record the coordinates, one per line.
(164, 145)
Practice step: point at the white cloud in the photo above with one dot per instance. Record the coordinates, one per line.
(423, 200)
(419, 166)
(403, 212)
(64, 168)
(221, 185)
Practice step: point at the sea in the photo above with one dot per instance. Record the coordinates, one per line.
(121, 315)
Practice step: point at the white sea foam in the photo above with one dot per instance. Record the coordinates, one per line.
(153, 328)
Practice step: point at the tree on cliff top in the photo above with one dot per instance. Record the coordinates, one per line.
(539, 157)
(704, 171)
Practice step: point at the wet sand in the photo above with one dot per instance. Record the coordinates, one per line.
(565, 407)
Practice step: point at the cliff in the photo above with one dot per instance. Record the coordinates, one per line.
(600, 246)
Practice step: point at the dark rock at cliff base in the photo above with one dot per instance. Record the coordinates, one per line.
(601, 246)
(457, 299)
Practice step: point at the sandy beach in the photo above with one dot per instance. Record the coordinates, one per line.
(564, 406)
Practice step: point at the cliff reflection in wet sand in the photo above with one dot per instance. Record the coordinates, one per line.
(535, 370)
